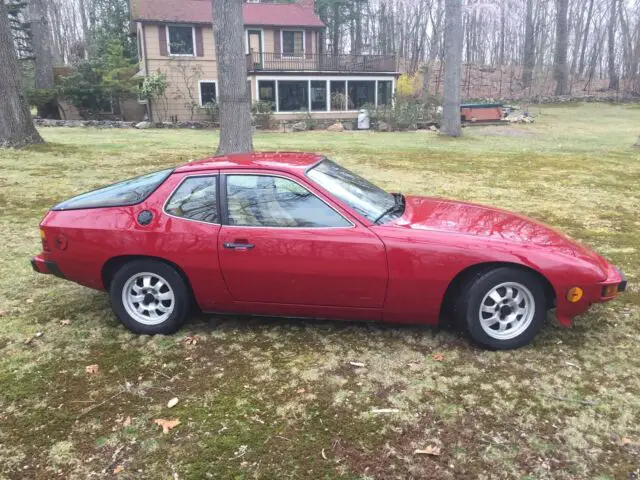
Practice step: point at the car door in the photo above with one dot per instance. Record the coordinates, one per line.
(281, 242)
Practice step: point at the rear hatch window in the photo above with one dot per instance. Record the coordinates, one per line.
(122, 194)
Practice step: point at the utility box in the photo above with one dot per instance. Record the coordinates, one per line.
(481, 112)
(363, 120)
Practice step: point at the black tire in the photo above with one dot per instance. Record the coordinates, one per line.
(467, 314)
(181, 303)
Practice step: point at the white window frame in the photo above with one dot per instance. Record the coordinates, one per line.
(328, 79)
(304, 43)
(200, 82)
(193, 39)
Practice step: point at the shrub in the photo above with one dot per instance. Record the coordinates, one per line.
(213, 110)
(262, 112)
(408, 86)
(403, 115)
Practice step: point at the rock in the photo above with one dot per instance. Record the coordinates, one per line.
(336, 127)
(433, 128)
(637, 144)
(299, 127)
(143, 125)
(382, 126)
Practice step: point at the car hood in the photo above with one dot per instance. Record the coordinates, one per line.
(434, 214)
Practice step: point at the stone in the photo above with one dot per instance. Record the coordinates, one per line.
(299, 127)
(382, 126)
(433, 128)
(143, 125)
(336, 127)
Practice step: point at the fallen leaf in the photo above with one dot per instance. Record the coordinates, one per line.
(166, 424)
(438, 357)
(27, 341)
(39, 334)
(29, 300)
(357, 364)
(118, 469)
(3, 313)
(173, 402)
(191, 340)
(127, 422)
(428, 450)
(624, 441)
(92, 369)
(300, 390)
(65, 322)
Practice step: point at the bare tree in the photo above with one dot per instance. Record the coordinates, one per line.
(560, 67)
(234, 99)
(16, 126)
(529, 46)
(452, 68)
(614, 80)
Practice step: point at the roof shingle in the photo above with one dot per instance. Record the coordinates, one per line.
(199, 11)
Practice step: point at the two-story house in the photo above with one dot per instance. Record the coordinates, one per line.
(287, 62)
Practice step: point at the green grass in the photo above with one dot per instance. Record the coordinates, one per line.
(274, 399)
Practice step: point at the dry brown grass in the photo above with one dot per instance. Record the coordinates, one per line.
(279, 399)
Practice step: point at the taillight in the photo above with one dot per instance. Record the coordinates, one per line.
(45, 242)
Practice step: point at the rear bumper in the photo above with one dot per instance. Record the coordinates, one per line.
(47, 267)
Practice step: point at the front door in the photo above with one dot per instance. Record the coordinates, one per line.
(255, 47)
(284, 244)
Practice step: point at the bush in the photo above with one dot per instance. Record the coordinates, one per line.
(403, 115)
(262, 112)
(306, 117)
(213, 110)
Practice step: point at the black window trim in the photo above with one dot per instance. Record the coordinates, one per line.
(225, 210)
(218, 198)
(170, 172)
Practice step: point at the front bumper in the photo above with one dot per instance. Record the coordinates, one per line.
(40, 265)
(610, 288)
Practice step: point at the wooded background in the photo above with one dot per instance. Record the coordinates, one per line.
(511, 48)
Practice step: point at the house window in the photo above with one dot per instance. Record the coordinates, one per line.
(293, 96)
(361, 93)
(292, 43)
(181, 40)
(319, 95)
(267, 92)
(385, 92)
(208, 93)
(338, 95)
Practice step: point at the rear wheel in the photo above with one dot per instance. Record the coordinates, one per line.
(502, 309)
(150, 297)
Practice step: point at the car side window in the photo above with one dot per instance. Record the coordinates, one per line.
(268, 201)
(195, 199)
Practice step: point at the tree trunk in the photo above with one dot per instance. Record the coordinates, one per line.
(452, 68)
(529, 47)
(614, 80)
(42, 41)
(433, 51)
(234, 97)
(585, 37)
(16, 125)
(560, 68)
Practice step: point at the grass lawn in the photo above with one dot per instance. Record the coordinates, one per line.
(274, 399)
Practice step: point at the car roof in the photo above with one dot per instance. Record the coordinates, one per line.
(288, 161)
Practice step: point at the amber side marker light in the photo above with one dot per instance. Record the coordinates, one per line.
(610, 290)
(574, 294)
(45, 242)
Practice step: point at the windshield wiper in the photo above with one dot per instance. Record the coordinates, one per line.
(398, 206)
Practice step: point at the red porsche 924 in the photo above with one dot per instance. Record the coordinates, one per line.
(295, 234)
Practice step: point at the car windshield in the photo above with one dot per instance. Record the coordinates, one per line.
(364, 197)
(119, 194)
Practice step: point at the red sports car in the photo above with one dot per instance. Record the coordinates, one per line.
(295, 234)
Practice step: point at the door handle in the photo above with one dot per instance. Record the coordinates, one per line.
(239, 246)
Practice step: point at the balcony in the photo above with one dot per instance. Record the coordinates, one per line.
(320, 62)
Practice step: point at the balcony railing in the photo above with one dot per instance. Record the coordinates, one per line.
(320, 62)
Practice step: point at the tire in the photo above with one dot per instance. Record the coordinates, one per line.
(514, 308)
(145, 306)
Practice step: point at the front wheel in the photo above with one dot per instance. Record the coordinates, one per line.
(502, 309)
(150, 297)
